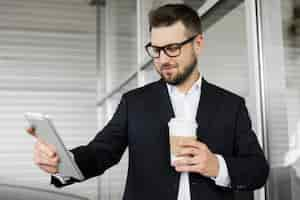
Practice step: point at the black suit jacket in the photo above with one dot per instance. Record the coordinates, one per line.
(140, 123)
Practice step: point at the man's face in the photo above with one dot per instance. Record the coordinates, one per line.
(175, 70)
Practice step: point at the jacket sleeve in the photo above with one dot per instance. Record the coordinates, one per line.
(247, 168)
(105, 150)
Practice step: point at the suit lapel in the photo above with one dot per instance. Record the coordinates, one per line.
(166, 108)
(207, 109)
(166, 112)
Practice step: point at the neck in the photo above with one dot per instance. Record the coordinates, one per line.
(189, 82)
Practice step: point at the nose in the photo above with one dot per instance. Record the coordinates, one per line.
(163, 57)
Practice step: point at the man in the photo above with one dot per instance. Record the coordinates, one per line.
(226, 156)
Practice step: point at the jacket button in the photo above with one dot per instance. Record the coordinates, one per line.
(175, 186)
(241, 186)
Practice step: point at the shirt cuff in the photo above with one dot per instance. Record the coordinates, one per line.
(223, 178)
(63, 179)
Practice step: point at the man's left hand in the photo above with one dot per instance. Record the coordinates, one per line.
(195, 156)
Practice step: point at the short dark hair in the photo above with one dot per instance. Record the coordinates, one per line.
(170, 14)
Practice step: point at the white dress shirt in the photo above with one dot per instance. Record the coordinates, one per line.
(186, 106)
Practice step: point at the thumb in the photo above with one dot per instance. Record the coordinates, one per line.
(31, 131)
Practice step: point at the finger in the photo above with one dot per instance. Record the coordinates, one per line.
(49, 169)
(53, 161)
(50, 147)
(187, 168)
(185, 161)
(189, 143)
(31, 131)
(45, 148)
(188, 151)
(192, 143)
(43, 158)
(39, 159)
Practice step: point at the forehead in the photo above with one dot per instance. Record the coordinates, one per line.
(161, 36)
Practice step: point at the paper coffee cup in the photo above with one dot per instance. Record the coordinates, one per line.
(180, 130)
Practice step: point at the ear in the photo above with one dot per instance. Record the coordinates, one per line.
(198, 43)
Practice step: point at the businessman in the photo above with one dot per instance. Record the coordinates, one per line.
(226, 155)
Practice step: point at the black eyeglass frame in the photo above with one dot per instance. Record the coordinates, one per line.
(179, 46)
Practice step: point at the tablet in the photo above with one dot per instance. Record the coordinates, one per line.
(45, 129)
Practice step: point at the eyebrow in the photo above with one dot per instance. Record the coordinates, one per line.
(164, 45)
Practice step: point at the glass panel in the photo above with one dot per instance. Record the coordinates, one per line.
(281, 40)
(231, 68)
(121, 41)
(112, 182)
(225, 62)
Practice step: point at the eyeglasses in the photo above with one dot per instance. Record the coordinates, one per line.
(171, 50)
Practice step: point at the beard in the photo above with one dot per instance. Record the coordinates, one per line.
(180, 77)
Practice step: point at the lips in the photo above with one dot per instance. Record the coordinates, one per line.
(167, 68)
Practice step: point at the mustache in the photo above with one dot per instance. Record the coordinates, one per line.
(167, 65)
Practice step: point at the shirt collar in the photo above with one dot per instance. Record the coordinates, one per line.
(196, 86)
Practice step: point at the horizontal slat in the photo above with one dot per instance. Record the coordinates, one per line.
(43, 66)
(53, 3)
(31, 55)
(75, 38)
(34, 49)
(36, 15)
(66, 12)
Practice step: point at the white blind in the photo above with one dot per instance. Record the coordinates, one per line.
(48, 65)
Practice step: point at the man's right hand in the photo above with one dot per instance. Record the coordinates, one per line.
(45, 155)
